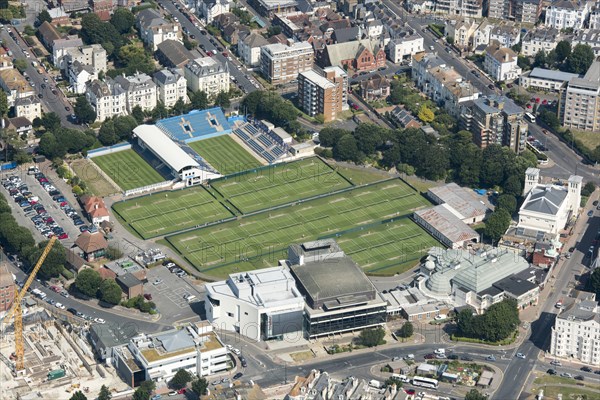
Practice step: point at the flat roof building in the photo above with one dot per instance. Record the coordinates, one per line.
(261, 304)
(546, 79)
(281, 63)
(579, 104)
(466, 204)
(443, 224)
(339, 296)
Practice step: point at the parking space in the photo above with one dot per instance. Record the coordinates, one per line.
(170, 293)
(42, 205)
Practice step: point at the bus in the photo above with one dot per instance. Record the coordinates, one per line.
(530, 117)
(425, 382)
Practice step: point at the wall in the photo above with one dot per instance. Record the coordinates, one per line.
(108, 150)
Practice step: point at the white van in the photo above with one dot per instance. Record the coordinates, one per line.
(440, 351)
(375, 383)
(190, 298)
(401, 378)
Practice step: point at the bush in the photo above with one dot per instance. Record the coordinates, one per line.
(68, 275)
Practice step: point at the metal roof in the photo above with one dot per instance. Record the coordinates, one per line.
(551, 74)
(462, 200)
(164, 147)
(447, 224)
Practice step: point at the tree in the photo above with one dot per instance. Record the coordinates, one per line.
(6, 15)
(138, 114)
(540, 59)
(3, 104)
(93, 30)
(20, 64)
(371, 337)
(122, 19)
(273, 30)
(406, 331)
(368, 137)
(29, 30)
(88, 282)
(425, 114)
(524, 63)
(593, 283)
(580, 59)
(107, 135)
(497, 224)
(507, 202)
(563, 50)
(346, 149)
(222, 100)
(588, 189)
(51, 121)
(104, 393)
(199, 100)
(251, 101)
(144, 391)
(550, 119)
(55, 260)
(84, 111)
(330, 136)
(498, 322)
(110, 291)
(181, 379)
(513, 185)
(179, 107)
(199, 386)
(78, 395)
(43, 16)
(474, 394)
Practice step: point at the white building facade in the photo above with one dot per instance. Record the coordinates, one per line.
(171, 86)
(404, 48)
(249, 49)
(563, 14)
(140, 90)
(259, 304)
(208, 75)
(501, 63)
(107, 98)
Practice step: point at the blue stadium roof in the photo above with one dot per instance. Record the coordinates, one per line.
(196, 125)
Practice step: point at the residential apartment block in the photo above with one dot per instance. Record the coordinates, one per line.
(79, 75)
(323, 92)
(579, 105)
(499, 9)
(249, 48)
(281, 63)
(93, 55)
(501, 63)
(576, 331)
(15, 85)
(404, 46)
(562, 14)
(62, 46)
(140, 91)
(107, 98)
(209, 9)
(495, 120)
(208, 75)
(595, 17)
(507, 34)
(171, 86)
(154, 29)
(527, 11)
(29, 107)
(442, 83)
(463, 8)
(539, 39)
(591, 37)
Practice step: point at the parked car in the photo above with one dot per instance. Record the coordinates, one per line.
(586, 369)
(566, 375)
(551, 371)
(579, 378)
(429, 356)
(238, 375)
(466, 358)
(491, 357)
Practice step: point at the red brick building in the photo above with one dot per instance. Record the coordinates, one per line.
(363, 55)
(103, 8)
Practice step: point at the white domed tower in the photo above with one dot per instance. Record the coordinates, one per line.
(532, 178)
(575, 183)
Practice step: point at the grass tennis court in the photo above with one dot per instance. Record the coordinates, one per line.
(95, 181)
(225, 155)
(167, 212)
(352, 217)
(279, 184)
(128, 169)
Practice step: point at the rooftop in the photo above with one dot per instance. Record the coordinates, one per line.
(123, 266)
(492, 104)
(160, 143)
(129, 280)
(333, 283)
(515, 285)
(317, 79)
(545, 199)
(443, 220)
(195, 125)
(262, 288)
(464, 201)
(552, 75)
(91, 242)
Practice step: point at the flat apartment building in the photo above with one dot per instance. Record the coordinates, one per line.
(323, 92)
(281, 63)
(579, 106)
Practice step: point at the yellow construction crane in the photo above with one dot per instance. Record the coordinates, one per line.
(17, 312)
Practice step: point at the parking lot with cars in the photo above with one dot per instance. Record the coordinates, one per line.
(173, 292)
(43, 206)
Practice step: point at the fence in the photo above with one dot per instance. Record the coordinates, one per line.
(108, 150)
(147, 188)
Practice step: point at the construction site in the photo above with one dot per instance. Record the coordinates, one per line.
(57, 361)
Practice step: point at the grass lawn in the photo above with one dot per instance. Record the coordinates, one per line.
(128, 169)
(359, 175)
(225, 155)
(167, 212)
(95, 181)
(279, 184)
(555, 385)
(591, 140)
(353, 217)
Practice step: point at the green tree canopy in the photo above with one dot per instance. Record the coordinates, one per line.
(51, 121)
(474, 394)
(199, 100)
(425, 114)
(3, 104)
(78, 395)
(329, 136)
(199, 386)
(20, 64)
(88, 282)
(371, 337)
(539, 60)
(110, 291)
(513, 185)
(84, 111)
(54, 262)
(138, 114)
(563, 50)
(580, 59)
(106, 134)
(346, 149)
(104, 393)
(406, 330)
(498, 322)
(181, 379)
(496, 224)
(588, 189)
(222, 100)
(122, 19)
(144, 391)
(507, 202)
(43, 16)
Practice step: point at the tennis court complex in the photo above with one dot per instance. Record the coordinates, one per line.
(279, 184)
(167, 212)
(225, 155)
(261, 239)
(128, 169)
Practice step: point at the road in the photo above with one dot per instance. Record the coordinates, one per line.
(236, 69)
(51, 102)
(517, 373)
